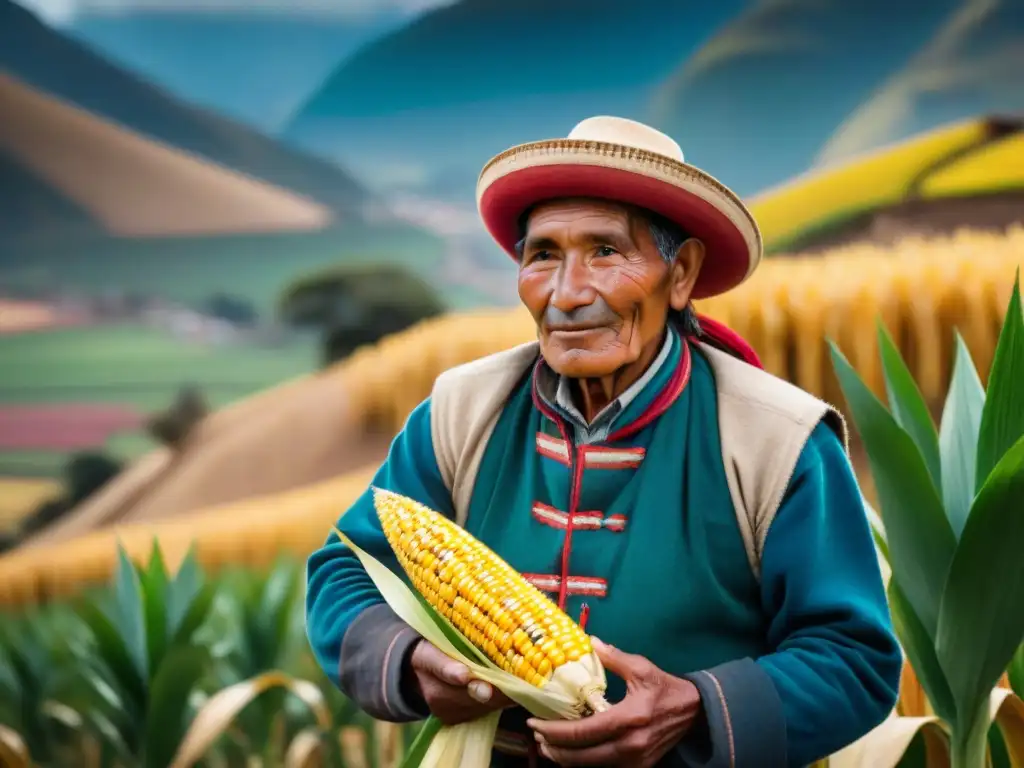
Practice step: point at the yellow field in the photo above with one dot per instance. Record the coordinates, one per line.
(20, 496)
(882, 177)
(1000, 165)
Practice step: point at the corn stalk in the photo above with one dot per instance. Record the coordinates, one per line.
(950, 503)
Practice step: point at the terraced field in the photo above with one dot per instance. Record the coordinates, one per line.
(70, 389)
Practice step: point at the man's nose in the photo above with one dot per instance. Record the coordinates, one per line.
(572, 286)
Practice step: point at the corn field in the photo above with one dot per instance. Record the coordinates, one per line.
(169, 669)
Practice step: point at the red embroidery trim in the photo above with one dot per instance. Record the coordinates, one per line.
(604, 457)
(553, 448)
(574, 585)
(582, 521)
(615, 523)
(574, 503)
(672, 390)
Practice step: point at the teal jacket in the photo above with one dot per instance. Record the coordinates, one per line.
(791, 667)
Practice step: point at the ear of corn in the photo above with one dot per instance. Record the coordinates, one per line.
(504, 617)
(460, 607)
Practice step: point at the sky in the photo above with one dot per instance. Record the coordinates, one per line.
(60, 12)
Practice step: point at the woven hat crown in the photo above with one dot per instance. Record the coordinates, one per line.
(627, 133)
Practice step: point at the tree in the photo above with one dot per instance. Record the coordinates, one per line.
(86, 473)
(232, 309)
(354, 306)
(173, 426)
(47, 512)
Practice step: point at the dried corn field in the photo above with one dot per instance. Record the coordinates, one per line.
(922, 289)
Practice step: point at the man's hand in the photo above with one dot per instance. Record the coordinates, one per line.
(656, 713)
(447, 686)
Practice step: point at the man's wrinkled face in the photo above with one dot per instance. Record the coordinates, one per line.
(597, 286)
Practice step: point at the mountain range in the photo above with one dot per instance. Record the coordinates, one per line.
(47, 60)
(756, 91)
(256, 66)
(428, 104)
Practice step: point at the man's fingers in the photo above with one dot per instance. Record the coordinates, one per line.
(481, 691)
(596, 729)
(432, 661)
(453, 672)
(628, 666)
(603, 754)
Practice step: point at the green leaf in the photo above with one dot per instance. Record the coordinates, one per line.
(921, 653)
(196, 614)
(166, 719)
(274, 614)
(997, 748)
(182, 593)
(1002, 420)
(958, 437)
(129, 613)
(1015, 671)
(419, 747)
(920, 540)
(113, 650)
(11, 704)
(981, 623)
(908, 406)
(154, 588)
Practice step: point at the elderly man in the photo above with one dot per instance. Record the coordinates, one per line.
(700, 515)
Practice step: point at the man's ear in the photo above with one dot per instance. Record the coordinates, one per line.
(685, 270)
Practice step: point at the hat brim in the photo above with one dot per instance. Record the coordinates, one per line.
(524, 176)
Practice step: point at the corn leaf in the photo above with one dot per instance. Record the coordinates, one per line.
(274, 614)
(958, 437)
(352, 740)
(418, 750)
(885, 746)
(919, 537)
(467, 745)
(1015, 672)
(188, 598)
(13, 752)
(1002, 420)
(1007, 711)
(306, 750)
(877, 533)
(173, 683)
(908, 406)
(981, 622)
(921, 653)
(154, 591)
(221, 709)
(113, 651)
(129, 613)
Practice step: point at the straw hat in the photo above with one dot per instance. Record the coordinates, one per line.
(617, 159)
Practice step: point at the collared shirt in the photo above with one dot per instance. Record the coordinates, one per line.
(557, 391)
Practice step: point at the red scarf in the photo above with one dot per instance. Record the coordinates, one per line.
(728, 340)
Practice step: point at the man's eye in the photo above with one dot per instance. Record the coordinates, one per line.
(540, 256)
(606, 250)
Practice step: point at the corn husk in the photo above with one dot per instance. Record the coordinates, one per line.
(886, 745)
(563, 697)
(13, 752)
